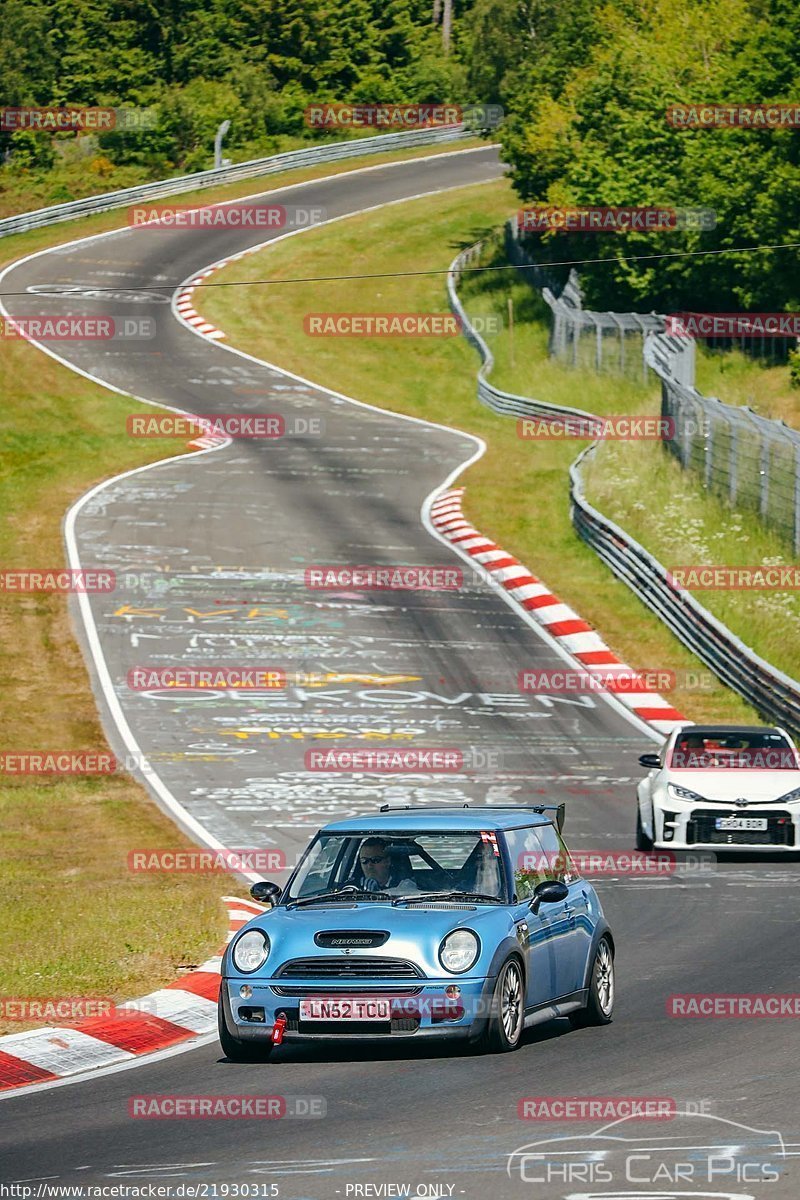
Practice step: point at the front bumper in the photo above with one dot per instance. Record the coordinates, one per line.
(694, 828)
(422, 1011)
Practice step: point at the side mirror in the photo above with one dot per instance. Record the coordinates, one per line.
(265, 893)
(549, 891)
(651, 761)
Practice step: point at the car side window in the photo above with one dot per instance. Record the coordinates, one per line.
(529, 865)
(556, 855)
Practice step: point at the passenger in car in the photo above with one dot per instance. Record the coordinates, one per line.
(482, 873)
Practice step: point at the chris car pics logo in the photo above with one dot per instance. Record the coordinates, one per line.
(696, 1150)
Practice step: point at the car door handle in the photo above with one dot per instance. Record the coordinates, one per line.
(570, 913)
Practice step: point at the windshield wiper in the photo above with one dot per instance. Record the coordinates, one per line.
(454, 895)
(352, 894)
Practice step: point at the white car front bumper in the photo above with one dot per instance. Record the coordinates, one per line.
(695, 828)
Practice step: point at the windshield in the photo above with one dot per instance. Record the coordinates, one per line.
(400, 864)
(759, 750)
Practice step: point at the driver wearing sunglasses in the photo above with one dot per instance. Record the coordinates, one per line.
(380, 873)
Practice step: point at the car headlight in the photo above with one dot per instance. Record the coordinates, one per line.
(680, 793)
(789, 797)
(459, 951)
(251, 951)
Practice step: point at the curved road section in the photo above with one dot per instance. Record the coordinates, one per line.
(214, 555)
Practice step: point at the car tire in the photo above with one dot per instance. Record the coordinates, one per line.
(643, 842)
(235, 1049)
(506, 1021)
(600, 1005)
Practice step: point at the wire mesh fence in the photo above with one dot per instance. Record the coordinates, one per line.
(752, 462)
(748, 460)
(602, 341)
(599, 341)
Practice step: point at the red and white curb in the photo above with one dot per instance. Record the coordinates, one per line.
(184, 304)
(182, 1010)
(562, 623)
(185, 308)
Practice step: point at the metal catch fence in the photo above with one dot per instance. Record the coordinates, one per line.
(752, 462)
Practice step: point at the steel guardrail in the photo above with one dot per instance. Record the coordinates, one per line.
(508, 403)
(770, 691)
(253, 168)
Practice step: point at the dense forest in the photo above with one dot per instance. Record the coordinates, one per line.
(585, 87)
(257, 63)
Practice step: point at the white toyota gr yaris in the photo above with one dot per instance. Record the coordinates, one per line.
(721, 786)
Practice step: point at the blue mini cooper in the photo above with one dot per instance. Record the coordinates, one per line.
(466, 923)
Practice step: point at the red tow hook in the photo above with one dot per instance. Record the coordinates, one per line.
(277, 1030)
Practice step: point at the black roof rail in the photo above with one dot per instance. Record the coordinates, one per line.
(558, 809)
(423, 807)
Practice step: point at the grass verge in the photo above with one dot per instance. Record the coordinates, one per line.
(739, 379)
(75, 921)
(665, 508)
(517, 493)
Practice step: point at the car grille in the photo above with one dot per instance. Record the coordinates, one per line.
(779, 831)
(346, 968)
(343, 988)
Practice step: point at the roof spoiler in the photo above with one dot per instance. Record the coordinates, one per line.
(558, 809)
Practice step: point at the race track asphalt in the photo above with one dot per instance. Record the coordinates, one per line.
(211, 552)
